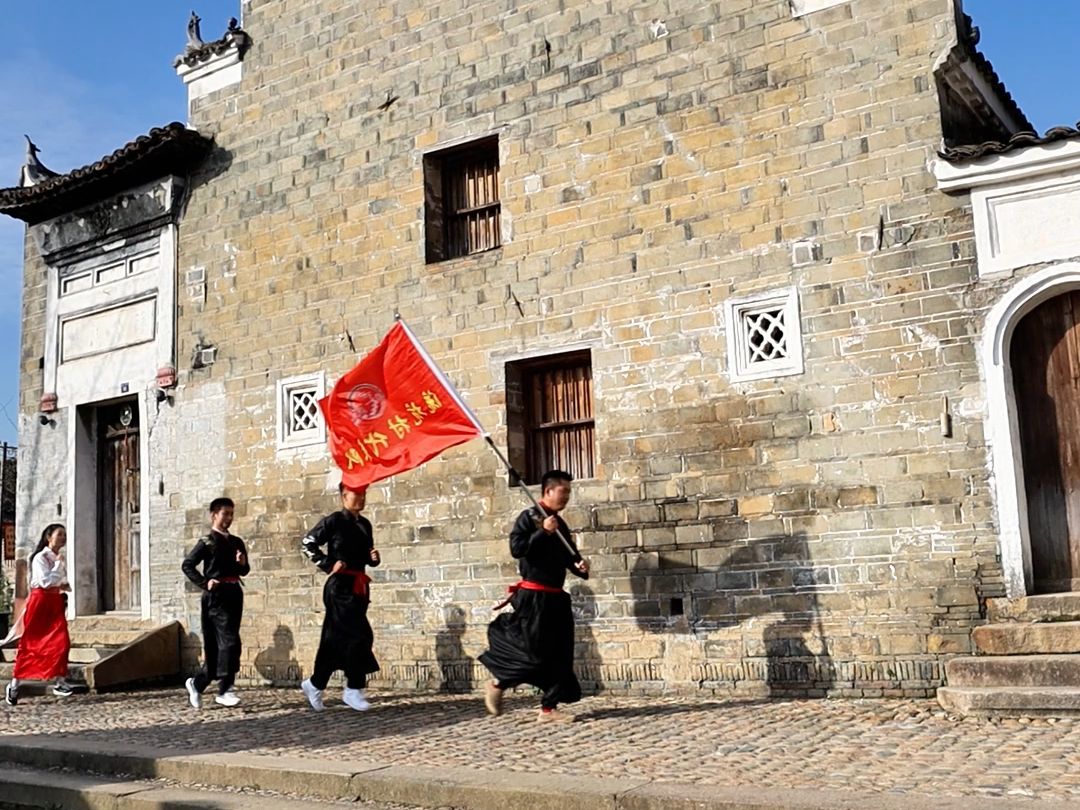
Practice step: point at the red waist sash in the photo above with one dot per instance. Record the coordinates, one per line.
(229, 580)
(360, 581)
(525, 585)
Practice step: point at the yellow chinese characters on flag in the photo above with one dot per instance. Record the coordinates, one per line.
(393, 411)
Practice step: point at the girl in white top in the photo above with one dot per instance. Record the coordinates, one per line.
(44, 643)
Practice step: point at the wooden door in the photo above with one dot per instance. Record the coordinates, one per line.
(1045, 355)
(119, 563)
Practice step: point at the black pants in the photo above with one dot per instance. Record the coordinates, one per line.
(222, 610)
(347, 637)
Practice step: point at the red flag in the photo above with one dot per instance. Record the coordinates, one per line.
(393, 411)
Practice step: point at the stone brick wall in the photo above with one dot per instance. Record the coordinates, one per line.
(821, 532)
(41, 492)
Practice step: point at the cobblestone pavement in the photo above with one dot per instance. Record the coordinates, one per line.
(867, 746)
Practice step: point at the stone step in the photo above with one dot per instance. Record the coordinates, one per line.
(77, 655)
(1050, 607)
(110, 621)
(29, 788)
(97, 637)
(75, 674)
(1014, 670)
(1015, 638)
(1011, 701)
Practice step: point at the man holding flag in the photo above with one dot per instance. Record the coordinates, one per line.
(535, 643)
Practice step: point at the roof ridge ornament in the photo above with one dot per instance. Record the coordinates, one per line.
(197, 51)
(194, 36)
(33, 170)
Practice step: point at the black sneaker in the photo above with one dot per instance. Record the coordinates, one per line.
(11, 694)
(63, 689)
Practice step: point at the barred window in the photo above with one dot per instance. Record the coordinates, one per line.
(550, 415)
(764, 336)
(461, 200)
(300, 422)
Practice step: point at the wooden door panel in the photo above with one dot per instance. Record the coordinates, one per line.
(119, 562)
(1045, 355)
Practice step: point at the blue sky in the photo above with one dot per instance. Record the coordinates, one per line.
(84, 78)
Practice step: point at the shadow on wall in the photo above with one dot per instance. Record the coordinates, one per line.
(586, 651)
(769, 577)
(277, 664)
(455, 667)
(191, 645)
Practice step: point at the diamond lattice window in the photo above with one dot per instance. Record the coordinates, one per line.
(299, 421)
(764, 337)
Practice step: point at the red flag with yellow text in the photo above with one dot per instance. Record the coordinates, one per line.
(393, 411)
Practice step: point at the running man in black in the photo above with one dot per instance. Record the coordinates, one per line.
(347, 637)
(535, 643)
(224, 560)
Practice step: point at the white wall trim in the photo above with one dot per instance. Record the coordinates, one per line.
(144, 403)
(74, 540)
(1023, 164)
(1003, 431)
(801, 7)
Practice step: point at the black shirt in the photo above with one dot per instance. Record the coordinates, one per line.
(542, 557)
(217, 553)
(347, 538)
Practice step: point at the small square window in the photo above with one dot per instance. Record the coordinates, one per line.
(461, 200)
(300, 421)
(764, 336)
(549, 415)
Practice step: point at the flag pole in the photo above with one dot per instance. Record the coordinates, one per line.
(524, 488)
(453, 392)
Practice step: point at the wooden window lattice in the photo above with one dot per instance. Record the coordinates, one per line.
(559, 415)
(462, 210)
(472, 210)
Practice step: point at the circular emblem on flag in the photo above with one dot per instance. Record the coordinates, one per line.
(365, 402)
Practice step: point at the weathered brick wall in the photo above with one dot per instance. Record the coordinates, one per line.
(823, 533)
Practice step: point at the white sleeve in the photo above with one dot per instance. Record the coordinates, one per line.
(46, 573)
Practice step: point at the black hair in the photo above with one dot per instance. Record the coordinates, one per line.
(218, 504)
(44, 541)
(554, 477)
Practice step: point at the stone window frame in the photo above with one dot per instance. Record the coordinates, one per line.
(443, 171)
(745, 318)
(313, 387)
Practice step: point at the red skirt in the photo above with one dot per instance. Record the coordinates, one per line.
(43, 648)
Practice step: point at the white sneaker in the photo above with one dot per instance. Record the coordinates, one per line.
(62, 689)
(230, 699)
(314, 695)
(193, 696)
(354, 699)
